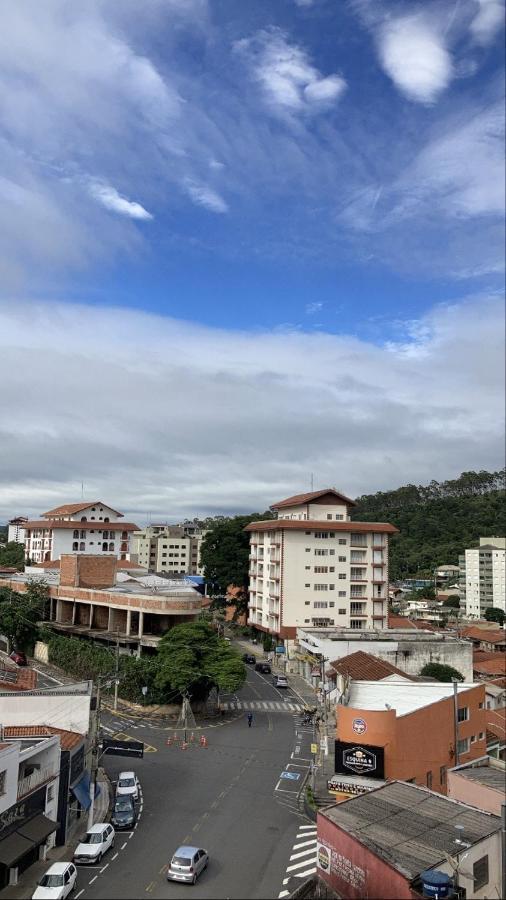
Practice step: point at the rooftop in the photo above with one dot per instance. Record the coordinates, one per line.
(297, 499)
(17, 679)
(487, 771)
(96, 524)
(495, 666)
(68, 509)
(365, 666)
(320, 525)
(405, 635)
(402, 696)
(410, 827)
(68, 739)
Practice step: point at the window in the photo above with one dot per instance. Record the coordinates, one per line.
(2, 782)
(307, 585)
(339, 517)
(321, 569)
(342, 575)
(104, 546)
(331, 603)
(332, 587)
(308, 549)
(463, 714)
(428, 780)
(480, 873)
(473, 739)
(307, 568)
(332, 552)
(463, 746)
(320, 604)
(164, 554)
(307, 621)
(321, 553)
(321, 534)
(442, 775)
(342, 612)
(480, 704)
(342, 540)
(332, 569)
(50, 793)
(357, 624)
(306, 602)
(76, 534)
(341, 593)
(321, 587)
(308, 532)
(82, 545)
(329, 515)
(342, 558)
(75, 546)
(481, 735)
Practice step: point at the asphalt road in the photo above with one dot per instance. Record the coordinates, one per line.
(228, 798)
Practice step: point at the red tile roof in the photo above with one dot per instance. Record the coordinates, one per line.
(496, 722)
(320, 525)
(8, 570)
(484, 655)
(491, 666)
(69, 508)
(400, 622)
(14, 679)
(312, 495)
(97, 525)
(68, 739)
(365, 667)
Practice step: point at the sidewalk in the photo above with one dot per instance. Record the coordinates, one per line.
(28, 880)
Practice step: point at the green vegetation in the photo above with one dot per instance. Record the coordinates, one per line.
(441, 672)
(453, 601)
(437, 521)
(191, 657)
(20, 614)
(493, 614)
(13, 554)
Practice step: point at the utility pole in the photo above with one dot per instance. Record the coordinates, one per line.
(94, 756)
(456, 720)
(116, 679)
(503, 847)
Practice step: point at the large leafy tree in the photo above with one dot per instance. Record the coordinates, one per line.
(494, 614)
(20, 614)
(193, 658)
(13, 554)
(441, 672)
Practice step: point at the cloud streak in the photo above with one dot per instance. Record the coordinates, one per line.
(108, 196)
(414, 56)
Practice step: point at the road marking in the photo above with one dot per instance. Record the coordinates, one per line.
(130, 836)
(205, 815)
(299, 865)
(303, 853)
(286, 880)
(104, 867)
(305, 844)
(79, 894)
(307, 827)
(307, 872)
(163, 869)
(93, 879)
(114, 857)
(123, 846)
(150, 886)
(214, 804)
(284, 894)
(196, 827)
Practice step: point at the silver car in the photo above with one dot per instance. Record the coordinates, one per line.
(187, 864)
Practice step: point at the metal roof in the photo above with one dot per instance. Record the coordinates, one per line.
(487, 775)
(402, 696)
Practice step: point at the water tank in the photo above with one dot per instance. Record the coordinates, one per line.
(436, 884)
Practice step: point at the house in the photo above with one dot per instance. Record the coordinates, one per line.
(91, 528)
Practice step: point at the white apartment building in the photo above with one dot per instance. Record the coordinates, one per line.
(174, 549)
(78, 528)
(313, 566)
(483, 571)
(16, 530)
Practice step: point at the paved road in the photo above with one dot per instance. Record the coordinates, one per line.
(228, 798)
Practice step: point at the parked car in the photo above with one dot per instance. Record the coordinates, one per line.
(249, 658)
(19, 658)
(123, 813)
(128, 784)
(57, 883)
(97, 841)
(187, 864)
(263, 667)
(280, 681)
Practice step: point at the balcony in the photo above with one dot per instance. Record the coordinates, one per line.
(40, 776)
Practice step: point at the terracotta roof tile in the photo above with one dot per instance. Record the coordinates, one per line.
(312, 495)
(69, 508)
(400, 622)
(320, 525)
(491, 666)
(97, 525)
(68, 739)
(365, 667)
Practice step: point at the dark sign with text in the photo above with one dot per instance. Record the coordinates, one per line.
(360, 759)
(123, 748)
(15, 816)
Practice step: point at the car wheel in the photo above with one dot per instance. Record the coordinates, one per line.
(112, 844)
(99, 858)
(194, 879)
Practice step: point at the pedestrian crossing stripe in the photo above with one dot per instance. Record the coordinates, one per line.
(263, 706)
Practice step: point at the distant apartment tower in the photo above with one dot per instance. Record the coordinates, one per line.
(313, 566)
(171, 549)
(78, 528)
(16, 530)
(482, 576)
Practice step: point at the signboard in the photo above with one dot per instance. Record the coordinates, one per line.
(13, 817)
(363, 759)
(123, 748)
(345, 787)
(359, 726)
(314, 748)
(280, 649)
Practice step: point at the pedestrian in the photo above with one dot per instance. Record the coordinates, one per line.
(250, 719)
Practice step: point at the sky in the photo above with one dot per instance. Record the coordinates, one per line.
(247, 247)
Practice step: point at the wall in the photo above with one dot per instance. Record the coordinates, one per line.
(355, 872)
(475, 793)
(489, 846)
(69, 711)
(9, 763)
(88, 571)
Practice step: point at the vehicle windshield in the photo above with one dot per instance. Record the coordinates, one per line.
(51, 881)
(181, 861)
(95, 838)
(126, 782)
(123, 804)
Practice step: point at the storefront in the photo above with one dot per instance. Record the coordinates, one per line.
(74, 794)
(24, 830)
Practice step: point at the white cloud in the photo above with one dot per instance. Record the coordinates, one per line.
(304, 2)
(291, 84)
(205, 196)
(413, 54)
(312, 308)
(110, 198)
(161, 416)
(488, 20)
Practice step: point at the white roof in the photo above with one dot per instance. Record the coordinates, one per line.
(58, 868)
(402, 696)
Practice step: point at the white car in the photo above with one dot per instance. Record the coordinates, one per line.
(128, 783)
(97, 841)
(58, 882)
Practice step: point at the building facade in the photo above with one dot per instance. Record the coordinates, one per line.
(313, 566)
(171, 549)
(16, 529)
(483, 576)
(78, 528)
(479, 783)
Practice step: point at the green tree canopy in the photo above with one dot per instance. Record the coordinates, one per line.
(441, 672)
(20, 614)
(13, 554)
(193, 658)
(453, 601)
(225, 551)
(494, 614)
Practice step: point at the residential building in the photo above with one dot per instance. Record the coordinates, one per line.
(445, 575)
(64, 707)
(359, 666)
(16, 529)
(78, 528)
(479, 783)
(89, 597)
(483, 576)
(170, 549)
(496, 732)
(487, 637)
(402, 841)
(29, 782)
(410, 649)
(406, 730)
(313, 566)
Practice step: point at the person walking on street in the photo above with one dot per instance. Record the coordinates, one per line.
(250, 719)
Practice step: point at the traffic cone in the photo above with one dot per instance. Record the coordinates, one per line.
(169, 742)
(192, 738)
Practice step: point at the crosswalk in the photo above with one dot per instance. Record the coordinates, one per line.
(263, 705)
(302, 862)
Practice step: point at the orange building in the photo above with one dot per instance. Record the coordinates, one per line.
(406, 730)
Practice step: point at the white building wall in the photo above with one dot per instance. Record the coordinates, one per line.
(68, 711)
(16, 534)
(499, 579)
(9, 763)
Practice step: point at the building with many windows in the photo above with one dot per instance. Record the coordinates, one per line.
(171, 549)
(314, 566)
(78, 528)
(483, 576)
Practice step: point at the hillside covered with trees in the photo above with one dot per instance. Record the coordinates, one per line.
(437, 521)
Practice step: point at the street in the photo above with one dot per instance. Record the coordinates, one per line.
(228, 798)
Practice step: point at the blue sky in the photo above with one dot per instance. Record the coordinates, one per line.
(328, 169)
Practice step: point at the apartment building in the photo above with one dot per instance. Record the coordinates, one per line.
(16, 529)
(314, 566)
(171, 549)
(483, 576)
(78, 528)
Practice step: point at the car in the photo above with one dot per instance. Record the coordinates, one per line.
(97, 841)
(58, 882)
(280, 681)
(249, 658)
(263, 667)
(187, 864)
(19, 658)
(123, 813)
(128, 783)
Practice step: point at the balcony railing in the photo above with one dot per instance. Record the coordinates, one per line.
(28, 784)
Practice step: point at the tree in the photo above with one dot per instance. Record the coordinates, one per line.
(21, 613)
(494, 614)
(13, 554)
(193, 658)
(441, 672)
(453, 601)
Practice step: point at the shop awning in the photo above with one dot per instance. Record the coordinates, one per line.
(81, 791)
(38, 829)
(13, 848)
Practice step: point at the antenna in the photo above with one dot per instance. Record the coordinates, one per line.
(82, 490)
(312, 482)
